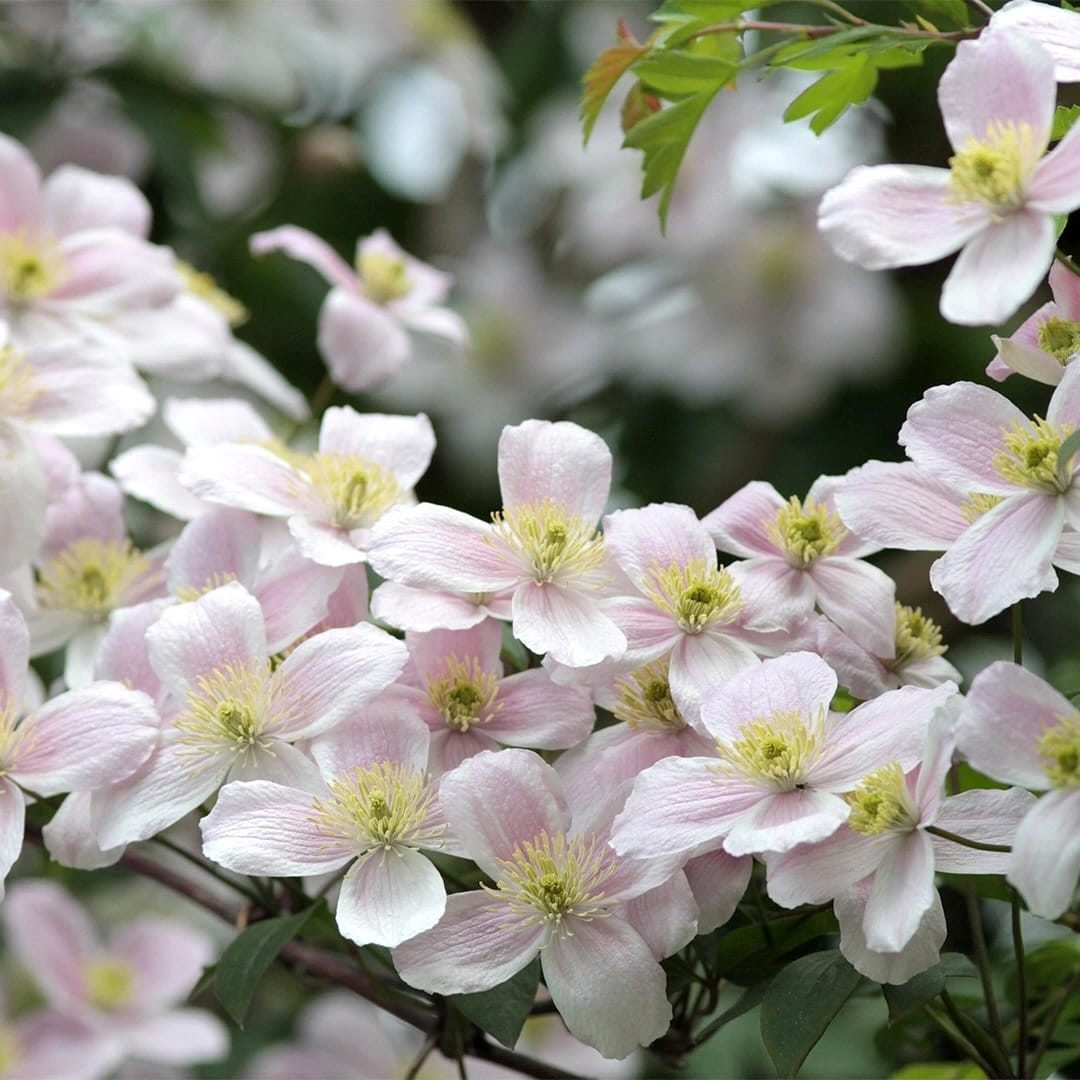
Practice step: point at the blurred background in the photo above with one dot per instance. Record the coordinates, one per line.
(735, 348)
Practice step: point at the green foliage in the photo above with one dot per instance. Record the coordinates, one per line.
(244, 962)
(910, 997)
(939, 1070)
(502, 1010)
(801, 1003)
(750, 954)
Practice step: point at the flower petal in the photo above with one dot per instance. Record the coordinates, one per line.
(1046, 854)
(306, 247)
(361, 344)
(567, 625)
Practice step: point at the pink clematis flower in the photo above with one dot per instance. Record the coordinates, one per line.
(782, 762)
(599, 923)
(1056, 29)
(364, 324)
(365, 464)
(123, 995)
(1017, 729)
(996, 201)
(543, 546)
(802, 553)
(79, 741)
(376, 808)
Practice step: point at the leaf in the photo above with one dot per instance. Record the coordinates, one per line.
(637, 105)
(249, 954)
(944, 14)
(679, 72)
(1064, 118)
(663, 137)
(800, 1004)
(598, 82)
(747, 955)
(830, 97)
(911, 996)
(940, 1070)
(502, 1010)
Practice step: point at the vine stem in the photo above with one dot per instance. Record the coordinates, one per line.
(982, 961)
(1018, 634)
(1021, 985)
(1051, 1023)
(960, 1039)
(964, 841)
(810, 33)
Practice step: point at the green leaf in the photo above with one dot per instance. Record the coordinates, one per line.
(944, 14)
(663, 137)
(678, 72)
(940, 1070)
(1064, 118)
(830, 97)
(801, 1003)
(502, 1010)
(748, 955)
(244, 962)
(600, 80)
(911, 996)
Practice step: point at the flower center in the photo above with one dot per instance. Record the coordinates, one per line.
(696, 595)
(552, 878)
(978, 503)
(551, 543)
(1060, 747)
(385, 805)
(110, 984)
(218, 579)
(881, 803)
(645, 701)
(200, 284)
(28, 268)
(777, 751)
(17, 390)
(464, 693)
(1030, 455)
(917, 637)
(383, 278)
(90, 576)
(806, 533)
(995, 171)
(1060, 338)
(357, 492)
(229, 711)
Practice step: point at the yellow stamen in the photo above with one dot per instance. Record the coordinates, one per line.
(1060, 747)
(881, 803)
(553, 544)
(917, 637)
(187, 593)
(110, 984)
(383, 278)
(996, 170)
(464, 693)
(645, 701)
(202, 285)
(29, 267)
(979, 503)
(358, 492)
(697, 595)
(1060, 338)
(91, 576)
(806, 533)
(17, 390)
(1030, 454)
(778, 750)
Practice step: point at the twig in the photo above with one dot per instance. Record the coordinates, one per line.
(1021, 984)
(965, 841)
(1051, 1023)
(982, 961)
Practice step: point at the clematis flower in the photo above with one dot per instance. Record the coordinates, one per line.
(543, 546)
(122, 995)
(232, 714)
(782, 763)
(804, 555)
(364, 324)
(78, 741)
(365, 465)
(559, 892)
(1017, 729)
(1056, 29)
(995, 203)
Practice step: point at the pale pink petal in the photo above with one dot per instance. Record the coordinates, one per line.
(85, 739)
(347, 605)
(423, 610)
(815, 873)
(902, 893)
(77, 199)
(199, 422)
(24, 496)
(361, 343)
(383, 731)
(248, 478)
(1065, 288)
(1004, 557)
(679, 804)
(774, 593)
(989, 817)
(328, 677)
(482, 642)
(534, 711)
(500, 799)
(20, 188)
(1065, 401)
(219, 546)
(279, 763)
(955, 432)
(650, 632)
(1004, 716)
(428, 285)
(71, 836)
(257, 827)
(435, 547)
(656, 537)
(151, 473)
(881, 216)
(719, 882)
(191, 640)
(450, 748)
(106, 270)
(860, 599)
(437, 322)
(12, 820)
(700, 663)
(324, 544)
(1056, 29)
(921, 952)
(307, 247)
(51, 936)
(401, 444)
(666, 917)
(999, 269)
(123, 655)
(294, 594)
(1027, 360)
(937, 759)
(15, 654)
(781, 821)
(1046, 854)
(478, 944)
(389, 897)
(1053, 188)
(608, 988)
(540, 460)
(799, 683)
(567, 625)
(998, 78)
(864, 675)
(180, 1037)
(165, 957)
(739, 525)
